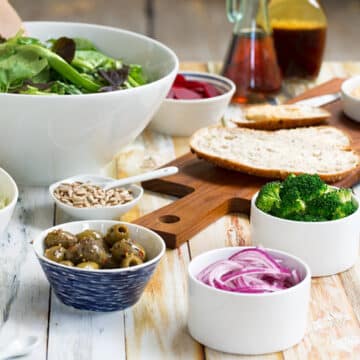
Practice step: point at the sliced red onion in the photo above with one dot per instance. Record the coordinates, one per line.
(251, 270)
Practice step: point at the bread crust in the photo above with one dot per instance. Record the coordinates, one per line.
(271, 173)
(279, 123)
(275, 117)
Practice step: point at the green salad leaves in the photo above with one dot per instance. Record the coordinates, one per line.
(62, 66)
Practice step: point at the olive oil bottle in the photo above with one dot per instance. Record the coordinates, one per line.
(299, 31)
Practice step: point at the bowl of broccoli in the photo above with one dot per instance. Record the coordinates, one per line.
(310, 219)
(72, 95)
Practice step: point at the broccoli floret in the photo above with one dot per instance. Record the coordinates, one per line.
(305, 198)
(269, 197)
(346, 204)
(308, 186)
(332, 205)
(344, 210)
(291, 205)
(344, 195)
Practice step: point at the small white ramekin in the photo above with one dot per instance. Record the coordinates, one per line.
(177, 117)
(249, 324)
(93, 213)
(351, 104)
(328, 247)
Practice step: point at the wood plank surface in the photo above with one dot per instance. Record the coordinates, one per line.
(155, 328)
(24, 291)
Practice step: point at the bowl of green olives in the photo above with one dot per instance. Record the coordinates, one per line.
(98, 265)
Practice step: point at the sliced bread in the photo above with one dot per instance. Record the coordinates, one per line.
(324, 150)
(272, 117)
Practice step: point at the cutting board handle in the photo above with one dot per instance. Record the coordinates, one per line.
(185, 217)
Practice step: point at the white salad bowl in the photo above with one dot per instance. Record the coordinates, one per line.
(242, 323)
(8, 191)
(328, 247)
(50, 137)
(178, 117)
(351, 104)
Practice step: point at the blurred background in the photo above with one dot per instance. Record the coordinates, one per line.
(195, 29)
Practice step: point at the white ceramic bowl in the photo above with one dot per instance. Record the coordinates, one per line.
(107, 212)
(247, 323)
(328, 247)
(105, 289)
(51, 137)
(9, 190)
(184, 117)
(351, 104)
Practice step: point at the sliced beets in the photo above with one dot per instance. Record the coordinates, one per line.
(191, 90)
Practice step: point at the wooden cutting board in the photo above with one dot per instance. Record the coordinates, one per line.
(208, 192)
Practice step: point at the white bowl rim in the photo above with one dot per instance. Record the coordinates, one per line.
(309, 223)
(347, 83)
(194, 74)
(101, 271)
(16, 191)
(108, 93)
(92, 209)
(307, 277)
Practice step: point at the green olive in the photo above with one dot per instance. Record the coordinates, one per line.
(92, 234)
(55, 253)
(111, 263)
(60, 237)
(131, 260)
(66, 263)
(123, 248)
(87, 249)
(90, 265)
(116, 233)
(73, 254)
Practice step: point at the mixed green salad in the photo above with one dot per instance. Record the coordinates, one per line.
(62, 66)
(305, 198)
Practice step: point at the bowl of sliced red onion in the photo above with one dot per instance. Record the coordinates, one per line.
(195, 100)
(248, 300)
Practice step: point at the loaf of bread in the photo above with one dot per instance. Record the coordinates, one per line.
(323, 150)
(272, 117)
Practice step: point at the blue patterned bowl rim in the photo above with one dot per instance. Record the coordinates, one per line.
(37, 245)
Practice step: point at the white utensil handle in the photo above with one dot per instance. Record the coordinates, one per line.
(320, 100)
(170, 170)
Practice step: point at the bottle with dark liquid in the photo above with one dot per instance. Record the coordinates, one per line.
(299, 30)
(251, 59)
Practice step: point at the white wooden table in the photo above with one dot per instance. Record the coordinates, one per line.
(155, 328)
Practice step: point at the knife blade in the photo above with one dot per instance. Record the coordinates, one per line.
(320, 100)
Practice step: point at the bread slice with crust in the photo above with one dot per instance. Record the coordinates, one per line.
(323, 150)
(272, 117)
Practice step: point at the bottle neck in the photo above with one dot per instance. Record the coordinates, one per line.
(254, 17)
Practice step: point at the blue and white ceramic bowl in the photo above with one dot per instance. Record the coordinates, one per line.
(101, 290)
(183, 117)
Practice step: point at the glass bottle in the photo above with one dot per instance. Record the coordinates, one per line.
(251, 59)
(299, 30)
